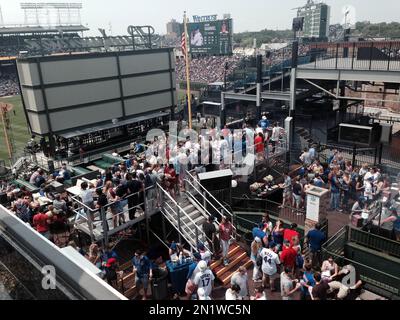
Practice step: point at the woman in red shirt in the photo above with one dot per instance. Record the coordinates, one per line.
(259, 145)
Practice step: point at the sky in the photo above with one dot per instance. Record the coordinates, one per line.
(252, 15)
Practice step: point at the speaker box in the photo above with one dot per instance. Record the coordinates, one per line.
(216, 180)
(386, 133)
(298, 24)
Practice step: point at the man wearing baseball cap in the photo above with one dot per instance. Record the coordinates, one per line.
(111, 272)
(204, 280)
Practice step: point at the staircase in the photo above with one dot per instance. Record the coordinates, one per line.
(237, 257)
(305, 135)
(198, 197)
(184, 217)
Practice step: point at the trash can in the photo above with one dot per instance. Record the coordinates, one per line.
(159, 286)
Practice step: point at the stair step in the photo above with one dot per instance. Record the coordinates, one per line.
(232, 251)
(193, 215)
(227, 278)
(236, 259)
(188, 208)
(131, 293)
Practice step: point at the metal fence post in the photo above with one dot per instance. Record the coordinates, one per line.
(337, 55)
(103, 215)
(179, 224)
(354, 155)
(380, 154)
(390, 52)
(146, 215)
(370, 55)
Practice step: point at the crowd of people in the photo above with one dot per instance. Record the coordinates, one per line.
(279, 266)
(276, 251)
(207, 69)
(277, 56)
(8, 83)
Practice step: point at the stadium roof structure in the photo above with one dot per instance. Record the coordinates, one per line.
(20, 30)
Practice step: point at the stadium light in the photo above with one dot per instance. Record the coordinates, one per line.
(50, 5)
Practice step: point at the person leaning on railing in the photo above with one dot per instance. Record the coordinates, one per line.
(395, 218)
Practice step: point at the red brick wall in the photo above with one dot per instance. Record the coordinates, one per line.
(375, 92)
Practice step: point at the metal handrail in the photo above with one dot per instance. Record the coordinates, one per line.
(389, 285)
(112, 202)
(105, 208)
(183, 211)
(205, 198)
(185, 234)
(209, 194)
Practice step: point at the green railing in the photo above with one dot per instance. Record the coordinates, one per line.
(378, 281)
(375, 242)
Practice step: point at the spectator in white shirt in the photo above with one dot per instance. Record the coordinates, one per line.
(86, 196)
(275, 136)
(240, 279)
(233, 293)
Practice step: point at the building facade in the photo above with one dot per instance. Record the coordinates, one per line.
(316, 19)
(173, 28)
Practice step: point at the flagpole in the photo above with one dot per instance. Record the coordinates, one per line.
(188, 91)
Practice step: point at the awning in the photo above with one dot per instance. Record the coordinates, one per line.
(82, 132)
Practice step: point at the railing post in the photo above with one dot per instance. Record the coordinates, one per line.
(337, 55)
(352, 59)
(370, 55)
(146, 216)
(354, 155)
(380, 154)
(390, 51)
(204, 200)
(103, 215)
(179, 224)
(197, 235)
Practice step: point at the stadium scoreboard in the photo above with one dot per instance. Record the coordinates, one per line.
(207, 35)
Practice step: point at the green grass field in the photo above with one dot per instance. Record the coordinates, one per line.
(20, 128)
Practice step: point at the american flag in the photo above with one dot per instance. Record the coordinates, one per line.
(183, 43)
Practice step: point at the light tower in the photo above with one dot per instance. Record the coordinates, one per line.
(1, 17)
(5, 109)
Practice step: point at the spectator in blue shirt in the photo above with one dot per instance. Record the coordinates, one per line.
(143, 270)
(307, 281)
(258, 233)
(264, 123)
(316, 239)
(109, 253)
(193, 270)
